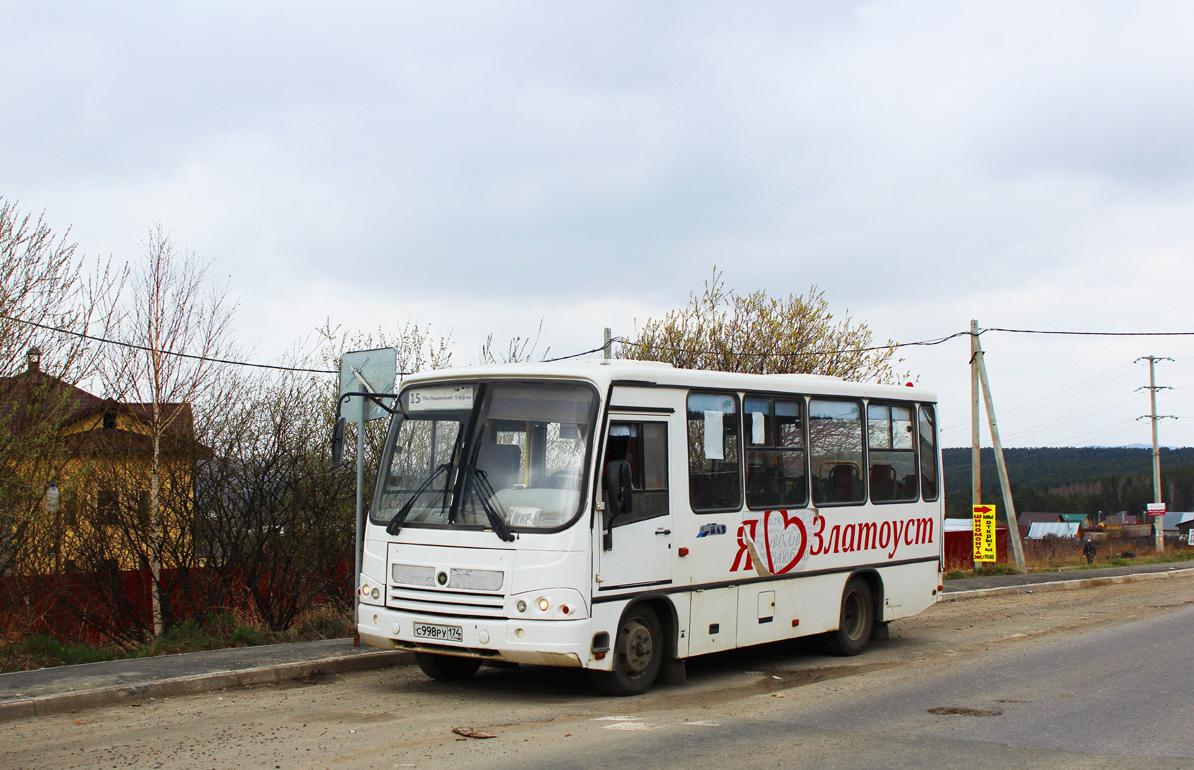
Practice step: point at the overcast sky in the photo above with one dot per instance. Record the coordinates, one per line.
(480, 167)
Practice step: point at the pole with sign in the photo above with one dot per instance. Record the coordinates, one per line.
(364, 372)
(984, 533)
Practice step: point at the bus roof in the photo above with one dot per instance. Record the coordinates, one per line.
(605, 372)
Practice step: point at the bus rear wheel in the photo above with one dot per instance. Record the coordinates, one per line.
(638, 654)
(857, 620)
(447, 668)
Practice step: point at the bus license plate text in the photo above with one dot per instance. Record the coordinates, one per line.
(438, 632)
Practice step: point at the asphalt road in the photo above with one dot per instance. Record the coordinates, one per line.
(1093, 678)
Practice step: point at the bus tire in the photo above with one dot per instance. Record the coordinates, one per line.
(857, 620)
(447, 668)
(638, 654)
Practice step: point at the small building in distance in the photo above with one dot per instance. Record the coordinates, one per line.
(1185, 527)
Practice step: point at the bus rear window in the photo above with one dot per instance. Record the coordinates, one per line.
(928, 453)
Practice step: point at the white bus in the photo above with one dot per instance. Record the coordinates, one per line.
(624, 516)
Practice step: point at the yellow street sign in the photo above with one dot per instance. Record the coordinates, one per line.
(984, 533)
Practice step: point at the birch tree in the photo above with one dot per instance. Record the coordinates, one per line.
(172, 307)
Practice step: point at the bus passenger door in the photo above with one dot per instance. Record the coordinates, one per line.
(636, 539)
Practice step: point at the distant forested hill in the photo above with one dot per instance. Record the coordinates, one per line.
(1074, 479)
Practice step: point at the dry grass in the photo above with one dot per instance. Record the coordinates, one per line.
(1060, 555)
(216, 630)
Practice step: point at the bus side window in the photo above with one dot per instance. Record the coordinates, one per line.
(835, 445)
(714, 470)
(774, 436)
(891, 453)
(642, 446)
(928, 453)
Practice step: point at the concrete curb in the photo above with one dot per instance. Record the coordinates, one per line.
(200, 683)
(1064, 585)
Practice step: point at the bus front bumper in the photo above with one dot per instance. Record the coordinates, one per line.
(538, 642)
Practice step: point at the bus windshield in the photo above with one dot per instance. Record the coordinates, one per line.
(503, 455)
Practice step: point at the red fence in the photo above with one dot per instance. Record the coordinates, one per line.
(117, 605)
(96, 607)
(959, 548)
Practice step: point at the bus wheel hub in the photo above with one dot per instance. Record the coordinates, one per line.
(638, 647)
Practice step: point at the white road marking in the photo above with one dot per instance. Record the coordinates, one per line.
(629, 726)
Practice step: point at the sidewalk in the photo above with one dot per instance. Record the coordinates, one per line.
(64, 688)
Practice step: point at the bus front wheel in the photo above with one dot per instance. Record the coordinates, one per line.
(857, 620)
(638, 654)
(446, 668)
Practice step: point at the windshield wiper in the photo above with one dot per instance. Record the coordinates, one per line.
(486, 495)
(396, 522)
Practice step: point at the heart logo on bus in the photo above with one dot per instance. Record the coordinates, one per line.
(786, 540)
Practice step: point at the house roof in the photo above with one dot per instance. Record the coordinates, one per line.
(1173, 518)
(27, 396)
(1047, 517)
(34, 395)
(1042, 529)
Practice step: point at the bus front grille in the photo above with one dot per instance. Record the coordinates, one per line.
(443, 602)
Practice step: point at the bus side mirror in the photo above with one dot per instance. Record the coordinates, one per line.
(338, 441)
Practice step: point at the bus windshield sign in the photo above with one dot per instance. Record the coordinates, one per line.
(439, 398)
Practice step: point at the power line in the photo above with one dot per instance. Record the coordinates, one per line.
(621, 340)
(175, 353)
(1050, 399)
(583, 353)
(1087, 334)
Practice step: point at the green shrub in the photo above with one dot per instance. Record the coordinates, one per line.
(48, 651)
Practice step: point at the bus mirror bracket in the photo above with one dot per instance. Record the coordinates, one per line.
(607, 519)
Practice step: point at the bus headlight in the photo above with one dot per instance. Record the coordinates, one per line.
(544, 605)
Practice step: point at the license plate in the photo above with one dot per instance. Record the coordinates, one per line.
(439, 633)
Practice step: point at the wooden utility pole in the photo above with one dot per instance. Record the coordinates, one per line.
(1158, 521)
(1009, 506)
(976, 471)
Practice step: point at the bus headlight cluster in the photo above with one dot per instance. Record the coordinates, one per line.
(553, 604)
(369, 592)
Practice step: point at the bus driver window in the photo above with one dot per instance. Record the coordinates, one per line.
(636, 466)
